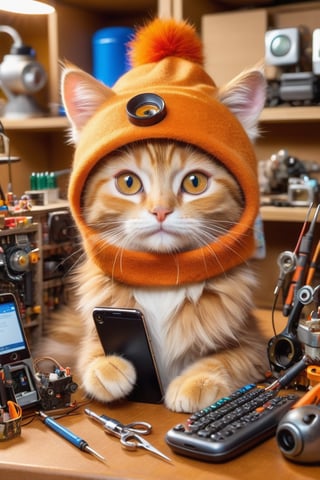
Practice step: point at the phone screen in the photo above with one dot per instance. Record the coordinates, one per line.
(13, 345)
(123, 332)
(15, 357)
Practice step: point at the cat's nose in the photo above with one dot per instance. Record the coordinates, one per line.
(161, 213)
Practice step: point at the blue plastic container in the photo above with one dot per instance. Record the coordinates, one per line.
(109, 47)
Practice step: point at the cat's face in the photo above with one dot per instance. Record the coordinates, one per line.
(161, 196)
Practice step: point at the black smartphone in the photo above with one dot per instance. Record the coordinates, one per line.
(123, 332)
(15, 357)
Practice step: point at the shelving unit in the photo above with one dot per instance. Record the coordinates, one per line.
(288, 115)
(41, 142)
(60, 249)
(37, 124)
(294, 128)
(64, 35)
(27, 287)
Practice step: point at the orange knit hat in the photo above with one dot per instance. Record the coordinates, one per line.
(167, 64)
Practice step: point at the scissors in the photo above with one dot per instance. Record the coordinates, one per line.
(130, 435)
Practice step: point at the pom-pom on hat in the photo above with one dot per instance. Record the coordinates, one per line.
(166, 95)
(161, 39)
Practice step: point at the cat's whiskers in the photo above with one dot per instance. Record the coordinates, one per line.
(207, 235)
(199, 233)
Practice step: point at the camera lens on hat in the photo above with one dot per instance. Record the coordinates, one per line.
(146, 109)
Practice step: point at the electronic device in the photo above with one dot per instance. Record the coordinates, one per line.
(282, 46)
(295, 79)
(287, 348)
(308, 331)
(15, 357)
(20, 77)
(124, 332)
(299, 87)
(232, 425)
(54, 382)
(60, 226)
(302, 191)
(297, 434)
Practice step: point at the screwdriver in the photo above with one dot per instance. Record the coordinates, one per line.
(69, 436)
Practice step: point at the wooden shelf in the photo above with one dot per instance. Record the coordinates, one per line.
(289, 114)
(269, 115)
(283, 214)
(36, 124)
(110, 6)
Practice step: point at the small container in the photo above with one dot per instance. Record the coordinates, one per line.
(110, 53)
(11, 427)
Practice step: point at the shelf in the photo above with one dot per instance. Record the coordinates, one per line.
(59, 204)
(35, 124)
(46, 247)
(53, 282)
(283, 214)
(31, 228)
(110, 6)
(31, 324)
(269, 115)
(289, 114)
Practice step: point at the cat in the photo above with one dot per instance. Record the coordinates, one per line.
(166, 196)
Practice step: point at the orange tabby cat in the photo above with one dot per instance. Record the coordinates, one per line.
(165, 197)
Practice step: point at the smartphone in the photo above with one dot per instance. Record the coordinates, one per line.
(123, 332)
(15, 357)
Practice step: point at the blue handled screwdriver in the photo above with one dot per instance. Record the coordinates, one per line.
(69, 436)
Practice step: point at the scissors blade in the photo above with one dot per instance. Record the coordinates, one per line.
(142, 443)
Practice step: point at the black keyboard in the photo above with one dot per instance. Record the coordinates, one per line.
(231, 425)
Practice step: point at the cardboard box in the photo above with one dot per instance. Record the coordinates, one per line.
(233, 41)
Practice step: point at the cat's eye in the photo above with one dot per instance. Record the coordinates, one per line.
(195, 183)
(128, 183)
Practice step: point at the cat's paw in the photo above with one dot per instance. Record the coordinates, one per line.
(189, 393)
(109, 378)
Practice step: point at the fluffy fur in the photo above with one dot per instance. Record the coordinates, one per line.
(159, 40)
(206, 341)
(164, 196)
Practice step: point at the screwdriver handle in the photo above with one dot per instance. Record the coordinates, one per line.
(64, 432)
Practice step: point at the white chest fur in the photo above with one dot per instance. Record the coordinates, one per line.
(159, 305)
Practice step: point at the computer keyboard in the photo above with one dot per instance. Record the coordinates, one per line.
(232, 425)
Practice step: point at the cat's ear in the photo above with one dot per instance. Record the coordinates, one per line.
(245, 96)
(82, 95)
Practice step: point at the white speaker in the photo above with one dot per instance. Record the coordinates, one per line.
(282, 46)
(316, 51)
